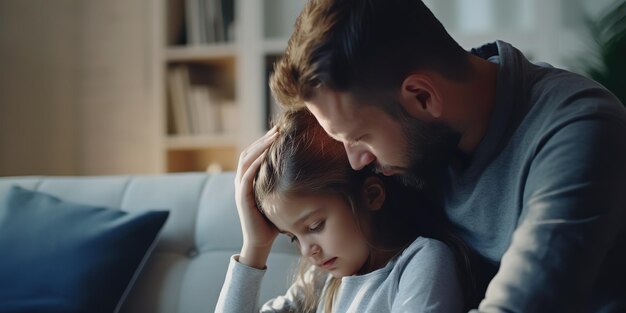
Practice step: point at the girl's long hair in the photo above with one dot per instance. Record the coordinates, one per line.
(305, 161)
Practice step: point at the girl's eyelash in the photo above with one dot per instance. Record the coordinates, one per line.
(317, 227)
(314, 228)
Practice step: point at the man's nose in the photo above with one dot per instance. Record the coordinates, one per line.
(358, 156)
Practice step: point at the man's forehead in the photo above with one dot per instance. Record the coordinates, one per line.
(333, 126)
(331, 102)
(334, 111)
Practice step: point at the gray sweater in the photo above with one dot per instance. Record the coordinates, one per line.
(542, 199)
(422, 278)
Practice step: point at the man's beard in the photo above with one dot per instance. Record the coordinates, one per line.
(430, 148)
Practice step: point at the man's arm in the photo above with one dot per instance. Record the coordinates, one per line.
(574, 203)
(430, 282)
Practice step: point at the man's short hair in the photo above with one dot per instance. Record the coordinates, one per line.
(364, 47)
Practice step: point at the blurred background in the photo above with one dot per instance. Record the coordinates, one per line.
(93, 87)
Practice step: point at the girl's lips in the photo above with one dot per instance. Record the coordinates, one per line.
(328, 264)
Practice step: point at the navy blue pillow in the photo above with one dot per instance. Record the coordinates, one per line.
(57, 256)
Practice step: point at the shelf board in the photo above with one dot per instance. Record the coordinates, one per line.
(184, 142)
(203, 52)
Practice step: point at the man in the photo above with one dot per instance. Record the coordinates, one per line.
(530, 161)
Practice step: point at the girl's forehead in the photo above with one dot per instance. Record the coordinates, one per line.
(286, 213)
(301, 201)
(287, 210)
(288, 205)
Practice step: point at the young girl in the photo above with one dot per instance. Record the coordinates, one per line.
(360, 245)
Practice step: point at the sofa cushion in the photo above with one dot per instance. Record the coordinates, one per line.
(58, 256)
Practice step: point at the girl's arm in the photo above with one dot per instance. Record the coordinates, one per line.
(240, 293)
(258, 233)
(429, 282)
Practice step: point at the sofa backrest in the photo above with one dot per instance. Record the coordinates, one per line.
(186, 270)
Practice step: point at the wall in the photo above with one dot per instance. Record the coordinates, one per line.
(38, 87)
(119, 121)
(75, 88)
(552, 31)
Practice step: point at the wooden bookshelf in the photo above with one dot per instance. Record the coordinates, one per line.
(236, 67)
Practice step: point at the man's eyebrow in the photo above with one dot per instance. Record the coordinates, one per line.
(342, 137)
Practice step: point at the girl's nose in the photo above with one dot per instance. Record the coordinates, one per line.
(309, 249)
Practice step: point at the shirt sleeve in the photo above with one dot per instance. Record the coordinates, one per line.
(572, 214)
(429, 283)
(240, 292)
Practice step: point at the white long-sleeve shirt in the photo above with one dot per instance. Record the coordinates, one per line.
(423, 278)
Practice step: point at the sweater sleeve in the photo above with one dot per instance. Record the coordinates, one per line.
(429, 282)
(573, 212)
(240, 292)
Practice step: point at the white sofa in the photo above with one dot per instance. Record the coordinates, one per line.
(187, 268)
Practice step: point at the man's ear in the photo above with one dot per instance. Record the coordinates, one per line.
(420, 96)
(373, 193)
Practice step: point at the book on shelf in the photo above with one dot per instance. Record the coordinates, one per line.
(178, 84)
(205, 108)
(175, 22)
(228, 19)
(192, 20)
(196, 105)
(209, 21)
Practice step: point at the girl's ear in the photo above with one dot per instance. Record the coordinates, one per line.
(374, 193)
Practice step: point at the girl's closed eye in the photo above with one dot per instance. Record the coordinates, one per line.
(317, 227)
